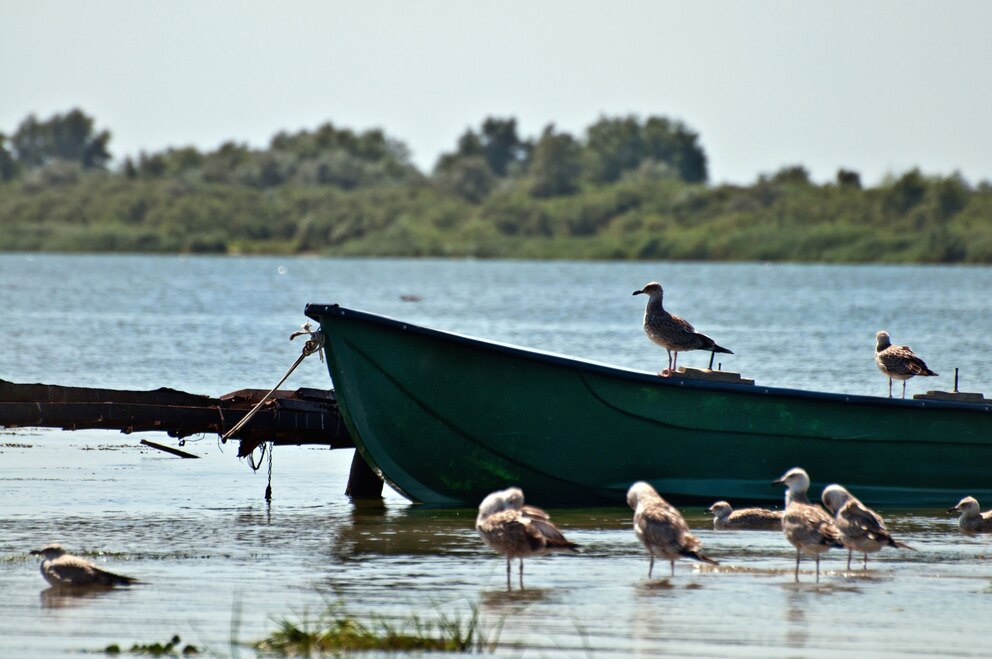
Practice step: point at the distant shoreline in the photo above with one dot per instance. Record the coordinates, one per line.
(628, 190)
(626, 221)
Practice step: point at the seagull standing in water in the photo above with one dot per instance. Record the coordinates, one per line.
(517, 531)
(898, 362)
(67, 571)
(807, 527)
(972, 519)
(672, 333)
(861, 527)
(726, 518)
(661, 528)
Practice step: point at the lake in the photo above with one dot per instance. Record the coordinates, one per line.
(218, 562)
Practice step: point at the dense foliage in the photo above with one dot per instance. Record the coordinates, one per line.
(625, 189)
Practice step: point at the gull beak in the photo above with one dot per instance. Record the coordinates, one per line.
(952, 510)
(778, 482)
(637, 292)
(35, 552)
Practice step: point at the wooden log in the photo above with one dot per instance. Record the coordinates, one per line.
(168, 449)
(304, 416)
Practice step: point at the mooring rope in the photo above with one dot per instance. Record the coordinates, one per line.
(314, 344)
(256, 465)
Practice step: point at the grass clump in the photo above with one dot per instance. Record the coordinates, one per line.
(174, 648)
(337, 631)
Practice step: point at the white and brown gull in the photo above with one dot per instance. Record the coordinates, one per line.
(808, 527)
(972, 520)
(661, 528)
(517, 531)
(898, 362)
(672, 333)
(862, 528)
(725, 518)
(64, 570)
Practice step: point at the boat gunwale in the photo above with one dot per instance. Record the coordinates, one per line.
(316, 311)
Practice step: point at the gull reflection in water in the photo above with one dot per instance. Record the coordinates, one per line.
(60, 597)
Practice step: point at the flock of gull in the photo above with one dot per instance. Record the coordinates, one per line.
(676, 335)
(520, 531)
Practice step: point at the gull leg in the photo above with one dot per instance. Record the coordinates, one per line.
(866, 560)
(817, 568)
(797, 565)
(521, 574)
(675, 361)
(904, 389)
(508, 561)
(651, 566)
(673, 567)
(670, 360)
(890, 387)
(849, 552)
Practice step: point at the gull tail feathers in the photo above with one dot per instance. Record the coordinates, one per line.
(110, 579)
(562, 545)
(699, 556)
(900, 545)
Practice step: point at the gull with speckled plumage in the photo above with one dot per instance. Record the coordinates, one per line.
(64, 570)
(972, 520)
(898, 362)
(808, 527)
(672, 333)
(661, 528)
(515, 530)
(725, 518)
(861, 527)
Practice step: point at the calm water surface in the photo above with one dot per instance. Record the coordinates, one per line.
(220, 563)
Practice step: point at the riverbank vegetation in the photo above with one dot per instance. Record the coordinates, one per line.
(627, 188)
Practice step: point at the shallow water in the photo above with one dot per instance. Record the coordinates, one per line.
(220, 562)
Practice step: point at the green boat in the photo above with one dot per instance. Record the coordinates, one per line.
(445, 419)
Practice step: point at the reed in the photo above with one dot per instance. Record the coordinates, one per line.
(336, 630)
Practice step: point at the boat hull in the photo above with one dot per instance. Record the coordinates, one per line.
(446, 419)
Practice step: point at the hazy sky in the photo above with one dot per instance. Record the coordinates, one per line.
(878, 87)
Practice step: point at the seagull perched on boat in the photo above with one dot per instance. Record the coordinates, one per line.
(972, 519)
(898, 362)
(725, 518)
(67, 571)
(672, 333)
(517, 531)
(809, 528)
(661, 528)
(861, 527)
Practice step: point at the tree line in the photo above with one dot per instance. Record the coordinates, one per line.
(626, 188)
